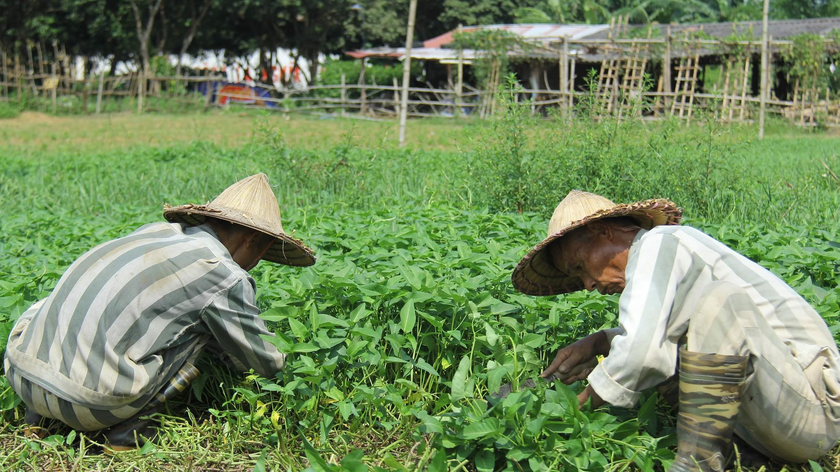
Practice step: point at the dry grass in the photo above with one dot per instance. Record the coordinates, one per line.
(38, 132)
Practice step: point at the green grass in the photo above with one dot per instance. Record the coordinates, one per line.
(408, 319)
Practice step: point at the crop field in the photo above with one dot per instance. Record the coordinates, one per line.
(408, 320)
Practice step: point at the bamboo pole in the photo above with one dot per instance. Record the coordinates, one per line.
(40, 57)
(666, 66)
(5, 75)
(572, 84)
(764, 61)
(54, 91)
(18, 79)
(31, 71)
(459, 86)
(364, 89)
(99, 92)
(211, 90)
(84, 85)
(141, 90)
(396, 97)
(344, 94)
(409, 38)
(564, 74)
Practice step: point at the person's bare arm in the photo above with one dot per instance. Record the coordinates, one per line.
(575, 361)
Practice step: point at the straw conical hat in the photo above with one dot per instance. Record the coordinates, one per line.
(250, 203)
(536, 274)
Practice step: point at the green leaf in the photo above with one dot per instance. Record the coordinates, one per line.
(407, 317)
(298, 329)
(815, 467)
(316, 462)
(495, 377)
(274, 314)
(410, 276)
(352, 462)
(485, 460)
(481, 429)
(430, 423)
(359, 313)
(459, 380)
(259, 466)
(438, 463)
(492, 337)
(303, 347)
(422, 364)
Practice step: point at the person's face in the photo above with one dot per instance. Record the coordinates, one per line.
(252, 249)
(596, 254)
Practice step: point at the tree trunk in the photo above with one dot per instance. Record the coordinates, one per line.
(313, 69)
(194, 22)
(145, 32)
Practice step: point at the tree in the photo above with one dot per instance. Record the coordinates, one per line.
(144, 29)
(799, 9)
(186, 20)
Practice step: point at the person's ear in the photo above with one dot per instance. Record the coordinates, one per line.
(253, 239)
(596, 228)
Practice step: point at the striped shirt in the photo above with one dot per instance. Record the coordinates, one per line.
(127, 314)
(668, 271)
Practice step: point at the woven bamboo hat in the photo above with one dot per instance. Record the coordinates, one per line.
(250, 203)
(536, 274)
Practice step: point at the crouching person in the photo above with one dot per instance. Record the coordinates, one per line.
(120, 333)
(750, 356)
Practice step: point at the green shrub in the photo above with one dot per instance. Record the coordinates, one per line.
(9, 110)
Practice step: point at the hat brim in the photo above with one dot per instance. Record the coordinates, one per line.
(536, 274)
(286, 250)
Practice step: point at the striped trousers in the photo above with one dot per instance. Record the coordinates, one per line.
(85, 418)
(788, 408)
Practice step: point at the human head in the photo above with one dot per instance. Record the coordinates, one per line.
(536, 274)
(249, 203)
(246, 246)
(596, 253)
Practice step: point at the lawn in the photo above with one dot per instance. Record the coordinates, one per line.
(408, 319)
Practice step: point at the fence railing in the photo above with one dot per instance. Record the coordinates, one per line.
(101, 93)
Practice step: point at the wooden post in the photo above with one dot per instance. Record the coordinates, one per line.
(572, 84)
(362, 86)
(40, 57)
(409, 38)
(211, 90)
(564, 76)
(666, 69)
(343, 95)
(5, 76)
(396, 97)
(84, 85)
(764, 61)
(141, 90)
(54, 91)
(18, 79)
(99, 93)
(31, 71)
(770, 67)
(459, 86)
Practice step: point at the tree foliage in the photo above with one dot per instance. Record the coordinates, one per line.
(313, 28)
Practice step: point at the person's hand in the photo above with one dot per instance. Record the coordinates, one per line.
(588, 393)
(576, 361)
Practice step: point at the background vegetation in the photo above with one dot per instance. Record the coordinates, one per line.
(135, 31)
(408, 320)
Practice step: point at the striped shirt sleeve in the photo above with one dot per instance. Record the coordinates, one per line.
(234, 320)
(642, 354)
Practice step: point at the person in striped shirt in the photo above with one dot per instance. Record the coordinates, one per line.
(750, 356)
(121, 331)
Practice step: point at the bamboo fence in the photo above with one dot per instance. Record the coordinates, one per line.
(58, 86)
